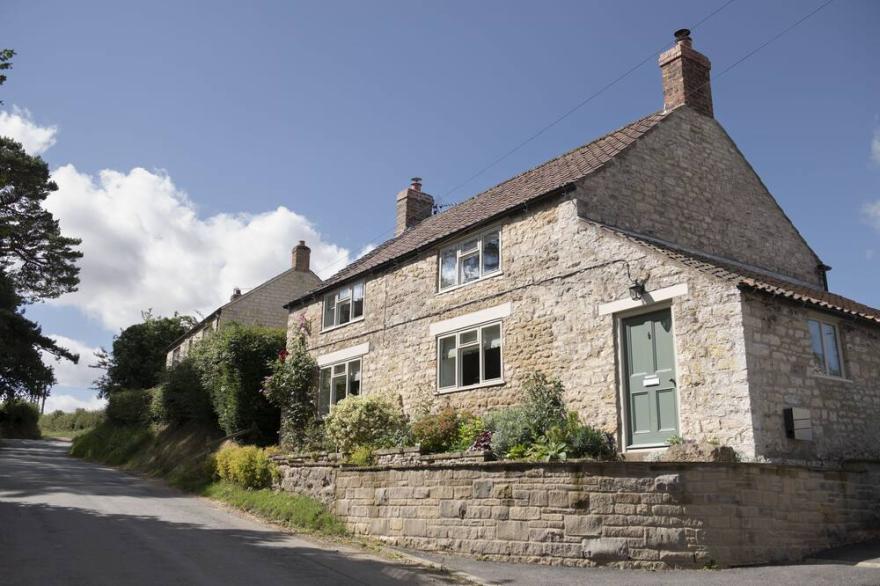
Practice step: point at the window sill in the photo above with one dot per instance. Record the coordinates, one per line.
(499, 273)
(485, 385)
(838, 379)
(348, 323)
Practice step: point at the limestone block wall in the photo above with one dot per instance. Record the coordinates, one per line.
(557, 270)
(844, 412)
(626, 514)
(686, 182)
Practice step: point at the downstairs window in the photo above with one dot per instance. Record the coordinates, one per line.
(469, 358)
(337, 382)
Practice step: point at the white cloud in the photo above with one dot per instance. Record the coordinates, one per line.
(366, 249)
(20, 126)
(145, 246)
(69, 374)
(65, 402)
(871, 213)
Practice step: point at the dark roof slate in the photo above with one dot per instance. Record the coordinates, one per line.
(493, 202)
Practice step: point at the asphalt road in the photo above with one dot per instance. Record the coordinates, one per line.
(66, 521)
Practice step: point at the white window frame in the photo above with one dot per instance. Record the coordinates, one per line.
(824, 372)
(458, 348)
(331, 367)
(479, 237)
(335, 294)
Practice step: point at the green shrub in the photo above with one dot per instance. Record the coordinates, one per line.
(586, 441)
(291, 388)
(19, 419)
(544, 403)
(437, 432)
(246, 466)
(362, 456)
(364, 420)
(469, 429)
(510, 427)
(516, 452)
(130, 407)
(233, 362)
(182, 398)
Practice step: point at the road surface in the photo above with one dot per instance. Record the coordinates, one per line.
(66, 521)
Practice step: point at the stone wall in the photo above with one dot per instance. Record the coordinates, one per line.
(626, 514)
(557, 270)
(844, 412)
(686, 182)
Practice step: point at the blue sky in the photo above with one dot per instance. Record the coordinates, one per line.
(195, 143)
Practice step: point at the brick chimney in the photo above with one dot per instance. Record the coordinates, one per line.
(686, 76)
(413, 206)
(299, 257)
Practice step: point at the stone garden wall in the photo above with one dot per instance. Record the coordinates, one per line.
(627, 514)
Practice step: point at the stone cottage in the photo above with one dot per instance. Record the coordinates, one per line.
(262, 305)
(650, 270)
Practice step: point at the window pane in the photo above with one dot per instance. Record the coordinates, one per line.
(447, 361)
(469, 268)
(354, 377)
(324, 392)
(358, 291)
(339, 383)
(830, 335)
(469, 246)
(329, 305)
(357, 296)
(343, 294)
(491, 255)
(470, 365)
(343, 312)
(467, 337)
(447, 268)
(816, 342)
(492, 352)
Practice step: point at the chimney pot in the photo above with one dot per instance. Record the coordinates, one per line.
(236, 293)
(685, 74)
(300, 257)
(413, 206)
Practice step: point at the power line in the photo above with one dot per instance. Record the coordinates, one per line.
(611, 84)
(341, 260)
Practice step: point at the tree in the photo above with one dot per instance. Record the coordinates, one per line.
(138, 356)
(22, 371)
(36, 262)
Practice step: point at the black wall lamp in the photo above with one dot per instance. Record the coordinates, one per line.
(637, 290)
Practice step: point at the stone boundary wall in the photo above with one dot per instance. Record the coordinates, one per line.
(625, 514)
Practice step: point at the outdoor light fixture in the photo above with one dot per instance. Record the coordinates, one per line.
(636, 290)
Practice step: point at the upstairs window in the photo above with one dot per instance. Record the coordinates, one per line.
(469, 358)
(826, 348)
(337, 382)
(470, 260)
(344, 305)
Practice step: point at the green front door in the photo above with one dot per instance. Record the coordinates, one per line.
(650, 378)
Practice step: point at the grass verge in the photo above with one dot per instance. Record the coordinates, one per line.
(183, 458)
(289, 510)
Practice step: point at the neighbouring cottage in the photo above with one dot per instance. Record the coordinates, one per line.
(262, 305)
(650, 270)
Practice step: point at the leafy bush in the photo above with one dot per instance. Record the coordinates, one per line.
(362, 456)
(364, 420)
(130, 407)
(246, 466)
(510, 427)
(437, 432)
(543, 403)
(81, 419)
(182, 397)
(19, 419)
(587, 441)
(233, 363)
(291, 387)
(469, 429)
